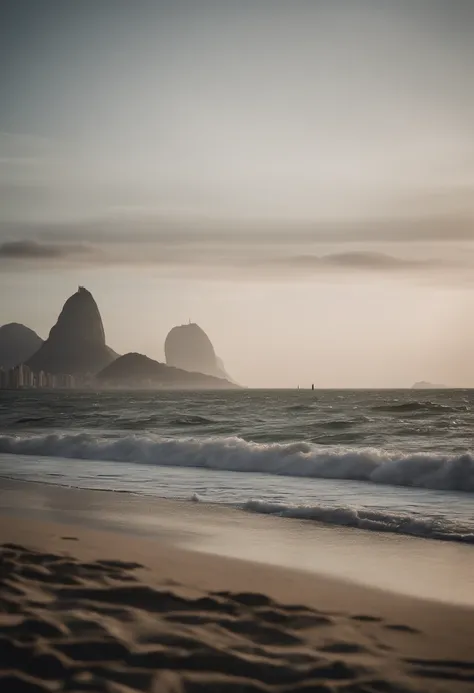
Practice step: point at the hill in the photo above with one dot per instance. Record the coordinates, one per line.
(17, 344)
(136, 370)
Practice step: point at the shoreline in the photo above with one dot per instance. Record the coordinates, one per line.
(393, 563)
(153, 611)
(348, 556)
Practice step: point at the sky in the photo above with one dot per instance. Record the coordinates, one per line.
(296, 177)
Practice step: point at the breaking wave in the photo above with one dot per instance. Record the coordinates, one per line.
(302, 459)
(374, 520)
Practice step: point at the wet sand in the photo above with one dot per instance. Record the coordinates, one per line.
(84, 608)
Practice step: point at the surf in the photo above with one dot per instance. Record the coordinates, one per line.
(429, 470)
(374, 520)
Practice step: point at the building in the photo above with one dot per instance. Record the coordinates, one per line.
(16, 378)
(28, 376)
(22, 377)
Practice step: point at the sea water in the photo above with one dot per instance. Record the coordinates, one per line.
(386, 461)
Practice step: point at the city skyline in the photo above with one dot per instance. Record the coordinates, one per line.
(22, 377)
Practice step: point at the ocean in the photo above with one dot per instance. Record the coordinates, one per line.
(384, 461)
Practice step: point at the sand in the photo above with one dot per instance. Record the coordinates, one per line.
(88, 609)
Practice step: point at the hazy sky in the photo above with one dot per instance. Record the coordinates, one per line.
(295, 176)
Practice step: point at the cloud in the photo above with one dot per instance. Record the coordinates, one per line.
(354, 260)
(205, 253)
(175, 229)
(181, 230)
(29, 249)
(33, 250)
(209, 251)
(368, 260)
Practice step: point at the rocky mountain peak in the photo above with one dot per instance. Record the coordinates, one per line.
(80, 319)
(76, 343)
(188, 347)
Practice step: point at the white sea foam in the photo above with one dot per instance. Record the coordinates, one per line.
(374, 520)
(419, 470)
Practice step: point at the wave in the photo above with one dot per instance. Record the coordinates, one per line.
(30, 420)
(191, 420)
(374, 520)
(338, 438)
(300, 407)
(301, 459)
(418, 406)
(341, 424)
(338, 424)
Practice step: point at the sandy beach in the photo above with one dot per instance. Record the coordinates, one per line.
(111, 608)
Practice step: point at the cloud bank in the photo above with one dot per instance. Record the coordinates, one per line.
(236, 258)
(35, 250)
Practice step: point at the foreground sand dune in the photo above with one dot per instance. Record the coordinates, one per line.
(76, 625)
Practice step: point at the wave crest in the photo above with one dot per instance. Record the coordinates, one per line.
(374, 520)
(301, 459)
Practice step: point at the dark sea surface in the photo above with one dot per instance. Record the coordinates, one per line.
(388, 461)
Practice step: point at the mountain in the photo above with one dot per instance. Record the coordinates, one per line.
(17, 344)
(76, 343)
(423, 385)
(137, 370)
(188, 347)
(222, 370)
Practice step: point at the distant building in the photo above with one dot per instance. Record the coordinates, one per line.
(17, 377)
(28, 376)
(64, 381)
(22, 377)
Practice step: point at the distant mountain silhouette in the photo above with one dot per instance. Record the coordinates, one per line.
(17, 344)
(136, 370)
(423, 385)
(76, 343)
(188, 347)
